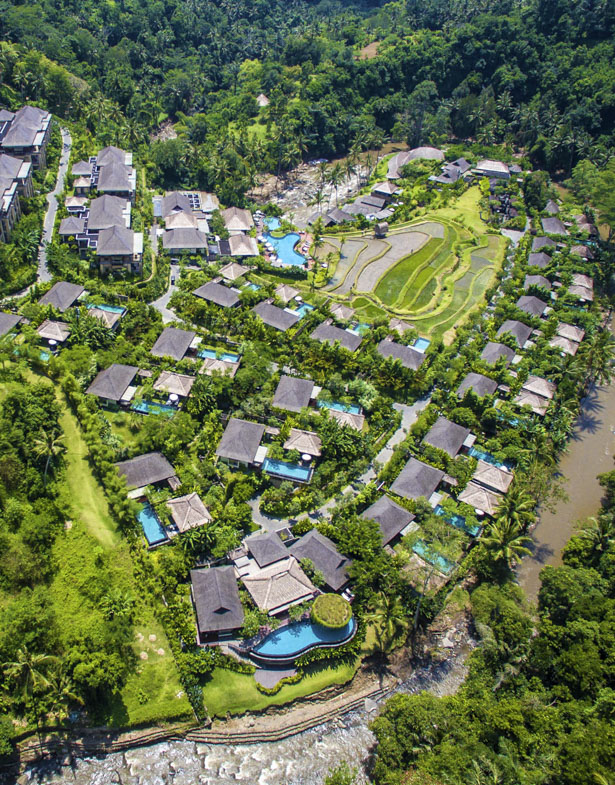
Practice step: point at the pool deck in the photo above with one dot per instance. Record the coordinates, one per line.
(269, 677)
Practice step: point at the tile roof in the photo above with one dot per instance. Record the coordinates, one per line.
(408, 356)
(147, 469)
(571, 332)
(236, 219)
(240, 440)
(446, 435)
(54, 331)
(184, 238)
(8, 321)
(233, 271)
(553, 226)
(480, 498)
(304, 441)
(188, 512)
(532, 305)
(116, 241)
(174, 383)
(350, 419)
(71, 225)
(325, 557)
(173, 342)
(520, 332)
(391, 517)
(62, 295)
(492, 477)
(243, 245)
(540, 386)
(266, 548)
(275, 317)
(217, 293)
(537, 403)
(417, 479)
(539, 259)
(564, 344)
(106, 211)
(542, 242)
(285, 292)
(536, 280)
(113, 382)
(328, 333)
(293, 394)
(479, 384)
(274, 589)
(493, 351)
(216, 600)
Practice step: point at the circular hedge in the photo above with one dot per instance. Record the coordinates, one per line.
(331, 610)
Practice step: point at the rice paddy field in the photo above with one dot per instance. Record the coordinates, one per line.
(432, 272)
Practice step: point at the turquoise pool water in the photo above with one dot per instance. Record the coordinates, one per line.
(437, 560)
(361, 328)
(272, 223)
(152, 528)
(108, 308)
(421, 344)
(353, 408)
(303, 309)
(293, 639)
(481, 455)
(45, 356)
(226, 356)
(252, 287)
(285, 249)
(291, 471)
(149, 407)
(458, 521)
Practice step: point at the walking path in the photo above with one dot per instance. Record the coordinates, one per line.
(162, 303)
(409, 415)
(43, 274)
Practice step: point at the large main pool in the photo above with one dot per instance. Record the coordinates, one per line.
(285, 249)
(294, 639)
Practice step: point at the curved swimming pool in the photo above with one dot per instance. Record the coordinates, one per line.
(287, 643)
(285, 249)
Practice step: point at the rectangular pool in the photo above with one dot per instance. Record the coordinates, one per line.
(434, 558)
(152, 528)
(149, 407)
(353, 408)
(458, 521)
(108, 308)
(212, 354)
(303, 309)
(481, 455)
(288, 471)
(421, 344)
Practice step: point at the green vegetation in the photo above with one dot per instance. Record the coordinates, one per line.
(227, 691)
(331, 610)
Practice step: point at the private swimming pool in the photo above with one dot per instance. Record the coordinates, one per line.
(458, 521)
(434, 558)
(303, 309)
(228, 357)
(288, 471)
(481, 455)
(108, 308)
(421, 344)
(284, 248)
(252, 287)
(290, 641)
(353, 408)
(149, 407)
(152, 528)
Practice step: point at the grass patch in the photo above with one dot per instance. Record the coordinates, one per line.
(87, 497)
(367, 311)
(227, 691)
(331, 610)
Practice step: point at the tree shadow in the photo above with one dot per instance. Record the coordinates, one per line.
(586, 423)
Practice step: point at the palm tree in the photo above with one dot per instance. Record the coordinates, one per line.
(600, 532)
(27, 672)
(598, 354)
(61, 695)
(387, 615)
(505, 542)
(516, 509)
(319, 198)
(335, 178)
(49, 445)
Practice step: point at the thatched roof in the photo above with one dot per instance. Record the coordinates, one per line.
(216, 600)
(274, 589)
(173, 342)
(188, 512)
(417, 479)
(240, 440)
(113, 382)
(325, 557)
(447, 436)
(304, 441)
(145, 470)
(293, 394)
(479, 384)
(62, 295)
(391, 517)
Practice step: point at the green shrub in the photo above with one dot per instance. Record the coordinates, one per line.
(331, 610)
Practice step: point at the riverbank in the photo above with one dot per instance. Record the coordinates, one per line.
(590, 452)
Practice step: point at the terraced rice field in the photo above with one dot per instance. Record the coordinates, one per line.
(430, 273)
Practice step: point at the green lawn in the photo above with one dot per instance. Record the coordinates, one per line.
(87, 497)
(227, 691)
(366, 310)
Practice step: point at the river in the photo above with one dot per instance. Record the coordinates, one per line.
(306, 758)
(590, 452)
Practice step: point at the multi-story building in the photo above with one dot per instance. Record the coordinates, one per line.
(25, 134)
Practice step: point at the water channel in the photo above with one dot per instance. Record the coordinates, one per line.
(306, 758)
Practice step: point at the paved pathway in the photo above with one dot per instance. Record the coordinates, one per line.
(162, 303)
(409, 415)
(43, 274)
